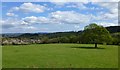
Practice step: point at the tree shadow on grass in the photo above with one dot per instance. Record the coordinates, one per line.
(88, 47)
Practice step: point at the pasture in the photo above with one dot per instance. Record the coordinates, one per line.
(0, 57)
(60, 56)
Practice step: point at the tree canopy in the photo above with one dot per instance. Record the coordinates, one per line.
(91, 26)
(94, 33)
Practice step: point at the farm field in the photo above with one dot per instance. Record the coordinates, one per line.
(0, 57)
(60, 56)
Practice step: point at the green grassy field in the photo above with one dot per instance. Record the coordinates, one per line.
(0, 57)
(60, 56)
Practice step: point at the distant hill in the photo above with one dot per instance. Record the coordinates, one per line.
(50, 35)
(113, 29)
(61, 34)
(31, 35)
(11, 34)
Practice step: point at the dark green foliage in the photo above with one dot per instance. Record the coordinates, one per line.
(116, 38)
(73, 39)
(92, 34)
(91, 26)
(31, 36)
(62, 34)
(44, 39)
(113, 29)
(64, 40)
(95, 34)
(54, 40)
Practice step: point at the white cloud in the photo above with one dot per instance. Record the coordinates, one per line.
(29, 7)
(7, 24)
(11, 14)
(85, 1)
(14, 9)
(35, 20)
(31, 19)
(59, 2)
(112, 7)
(103, 0)
(10, 23)
(15, 25)
(66, 17)
(108, 5)
(111, 15)
(80, 5)
(105, 24)
(63, 2)
(69, 17)
(77, 27)
(58, 17)
(30, 27)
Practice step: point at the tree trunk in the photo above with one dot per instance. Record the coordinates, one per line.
(95, 45)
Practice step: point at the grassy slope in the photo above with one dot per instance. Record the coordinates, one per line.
(60, 56)
(0, 57)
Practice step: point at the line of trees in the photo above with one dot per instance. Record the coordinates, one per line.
(92, 34)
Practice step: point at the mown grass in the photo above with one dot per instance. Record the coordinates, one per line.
(60, 56)
(0, 57)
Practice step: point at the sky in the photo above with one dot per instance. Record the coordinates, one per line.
(33, 17)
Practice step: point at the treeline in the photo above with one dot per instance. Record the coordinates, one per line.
(50, 38)
(61, 37)
(58, 37)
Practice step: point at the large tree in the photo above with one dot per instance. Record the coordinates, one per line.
(94, 33)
